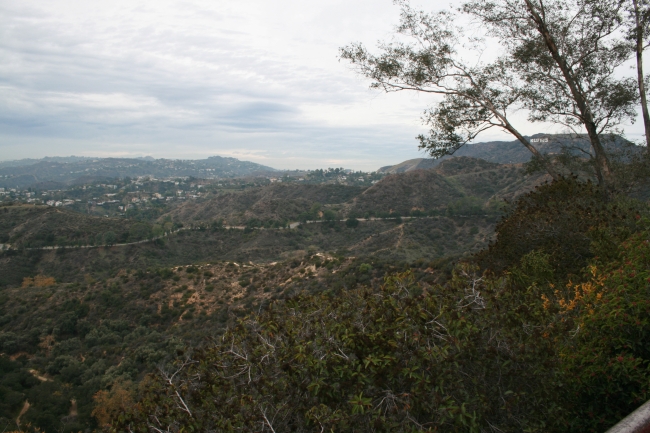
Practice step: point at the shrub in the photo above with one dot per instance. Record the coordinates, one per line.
(365, 268)
(397, 360)
(140, 231)
(466, 206)
(110, 238)
(165, 273)
(352, 222)
(329, 215)
(569, 220)
(38, 281)
(606, 350)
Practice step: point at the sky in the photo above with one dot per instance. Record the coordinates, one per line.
(256, 80)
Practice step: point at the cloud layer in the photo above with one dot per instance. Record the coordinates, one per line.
(252, 79)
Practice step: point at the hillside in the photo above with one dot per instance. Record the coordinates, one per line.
(278, 203)
(78, 320)
(77, 323)
(59, 172)
(71, 340)
(411, 164)
(457, 188)
(435, 190)
(29, 226)
(513, 152)
(426, 238)
(417, 192)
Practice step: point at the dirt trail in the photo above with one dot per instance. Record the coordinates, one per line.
(37, 375)
(371, 237)
(401, 236)
(22, 412)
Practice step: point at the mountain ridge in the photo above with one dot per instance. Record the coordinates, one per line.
(68, 170)
(513, 152)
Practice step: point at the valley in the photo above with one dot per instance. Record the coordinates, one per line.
(90, 299)
(91, 302)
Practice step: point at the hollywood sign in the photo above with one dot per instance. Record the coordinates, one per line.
(539, 140)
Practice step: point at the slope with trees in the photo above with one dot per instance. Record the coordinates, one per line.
(486, 351)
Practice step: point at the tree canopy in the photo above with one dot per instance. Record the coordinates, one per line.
(559, 62)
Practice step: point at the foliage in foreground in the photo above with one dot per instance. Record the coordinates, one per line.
(389, 360)
(539, 347)
(568, 220)
(607, 357)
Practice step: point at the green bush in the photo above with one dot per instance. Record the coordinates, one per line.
(365, 268)
(397, 360)
(352, 222)
(606, 352)
(140, 231)
(166, 273)
(466, 206)
(329, 215)
(110, 238)
(569, 220)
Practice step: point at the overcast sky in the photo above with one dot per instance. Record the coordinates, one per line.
(257, 80)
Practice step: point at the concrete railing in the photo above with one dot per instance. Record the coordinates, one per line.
(636, 422)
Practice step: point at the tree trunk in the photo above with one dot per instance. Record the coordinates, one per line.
(511, 129)
(639, 71)
(603, 170)
(547, 164)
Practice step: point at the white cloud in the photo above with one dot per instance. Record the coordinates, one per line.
(196, 78)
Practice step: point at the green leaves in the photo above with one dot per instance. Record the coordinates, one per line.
(383, 360)
(360, 404)
(607, 360)
(475, 96)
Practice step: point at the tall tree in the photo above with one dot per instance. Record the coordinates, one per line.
(475, 96)
(566, 53)
(639, 32)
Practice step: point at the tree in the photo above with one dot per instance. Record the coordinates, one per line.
(329, 215)
(566, 219)
(476, 97)
(638, 34)
(110, 404)
(139, 231)
(352, 222)
(110, 238)
(566, 53)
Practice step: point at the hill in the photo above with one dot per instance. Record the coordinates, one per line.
(450, 183)
(78, 320)
(459, 187)
(459, 201)
(413, 192)
(274, 203)
(67, 171)
(68, 341)
(513, 152)
(408, 165)
(29, 226)
(407, 241)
